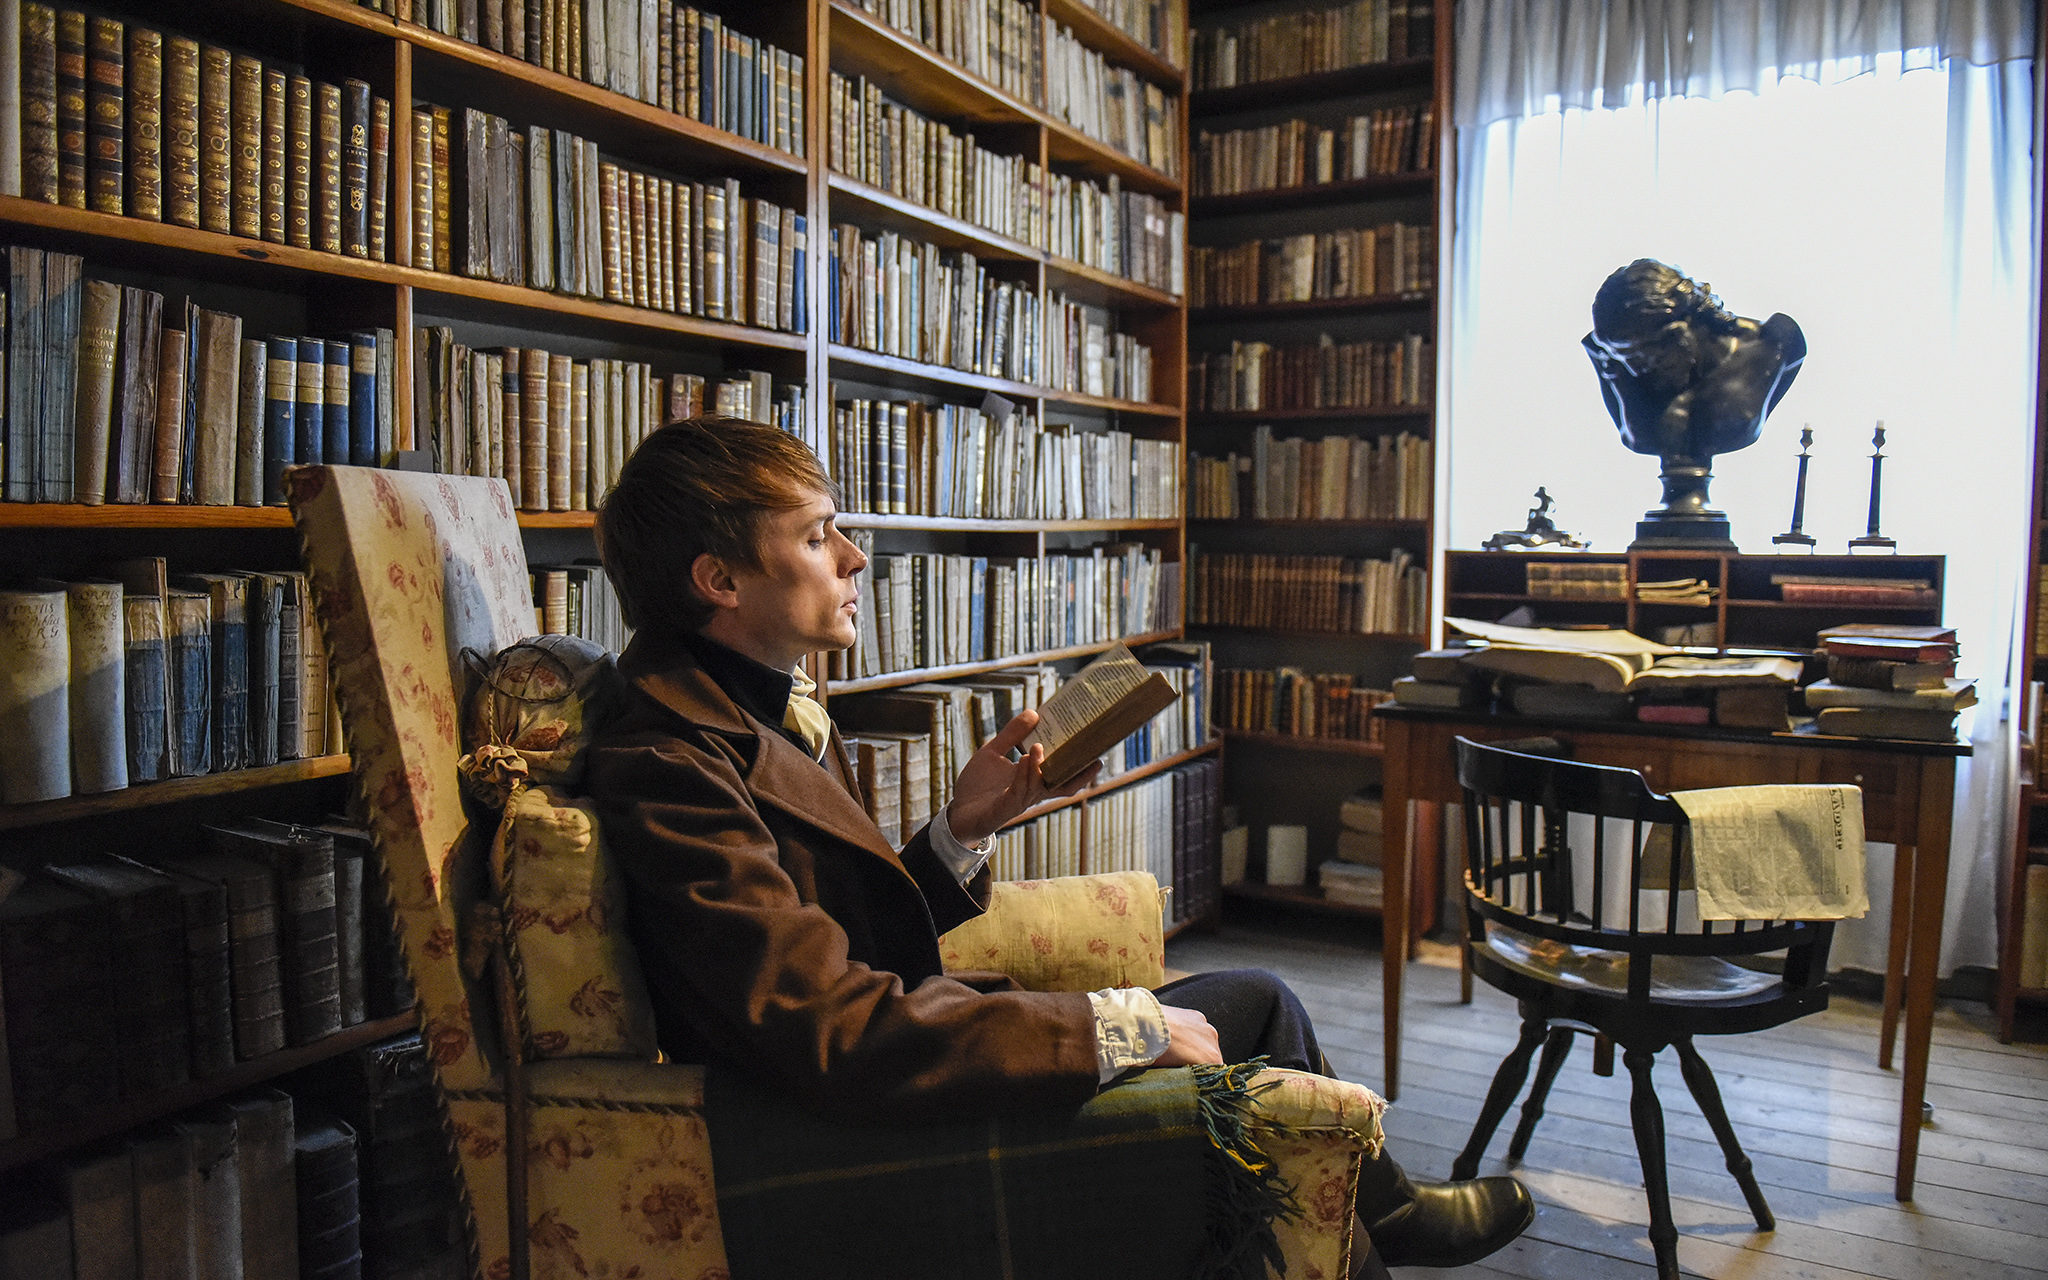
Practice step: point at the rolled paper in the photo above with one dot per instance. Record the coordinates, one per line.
(1286, 855)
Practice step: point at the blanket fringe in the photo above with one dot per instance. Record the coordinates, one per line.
(1245, 1191)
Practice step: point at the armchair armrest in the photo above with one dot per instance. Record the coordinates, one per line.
(1074, 933)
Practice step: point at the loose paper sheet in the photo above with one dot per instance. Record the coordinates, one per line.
(1777, 852)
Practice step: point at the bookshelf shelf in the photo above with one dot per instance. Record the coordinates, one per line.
(1383, 637)
(1318, 307)
(1373, 77)
(946, 524)
(1300, 742)
(16, 1152)
(871, 205)
(1254, 417)
(1093, 284)
(916, 76)
(122, 515)
(1123, 779)
(1351, 191)
(1403, 524)
(896, 679)
(1297, 896)
(1067, 145)
(1099, 33)
(933, 377)
(170, 791)
(511, 303)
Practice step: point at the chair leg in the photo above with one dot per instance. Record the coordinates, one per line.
(1700, 1079)
(1555, 1050)
(1507, 1082)
(1649, 1126)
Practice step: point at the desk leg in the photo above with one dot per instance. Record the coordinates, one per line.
(1930, 900)
(1395, 790)
(1895, 951)
(1425, 873)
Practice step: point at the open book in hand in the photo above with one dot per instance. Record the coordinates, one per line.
(1099, 706)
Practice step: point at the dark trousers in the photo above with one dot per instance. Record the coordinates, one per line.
(1255, 1014)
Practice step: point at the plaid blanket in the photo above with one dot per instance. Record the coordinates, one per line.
(1152, 1180)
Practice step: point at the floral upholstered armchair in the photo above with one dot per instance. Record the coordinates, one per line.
(601, 1166)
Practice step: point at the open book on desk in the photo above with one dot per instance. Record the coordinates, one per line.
(1615, 661)
(1099, 706)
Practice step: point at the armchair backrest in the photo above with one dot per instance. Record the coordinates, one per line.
(407, 570)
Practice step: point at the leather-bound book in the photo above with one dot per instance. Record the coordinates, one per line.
(181, 131)
(146, 691)
(633, 187)
(534, 429)
(579, 438)
(98, 1190)
(266, 593)
(71, 144)
(55, 950)
(298, 165)
(189, 649)
(511, 451)
(99, 328)
(167, 463)
(380, 178)
(334, 430)
(301, 860)
(166, 1203)
(539, 180)
(424, 179)
(352, 867)
(310, 419)
(135, 374)
(252, 380)
(216, 139)
(145, 976)
(39, 102)
(387, 990)
(330, 1225)
(355, 168)
(608, 205)
(291, 672)
(245, 140)
(23, 394)
(470, 174)
(208, 1001)
(99, 729)
(361, 347)
(561, 393)
(216, 402)
(272, 161)
(386, 397)
(56, 457)
(35, 708)
(106, 93)
(256, 982)
(280, 402)
(216, 1193)
(228, 615)
(327, 193)
(269, 1231)
(444, 192)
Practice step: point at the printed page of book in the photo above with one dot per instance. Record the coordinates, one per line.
(1606, 640)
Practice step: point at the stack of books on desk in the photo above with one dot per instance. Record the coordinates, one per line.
(1887, 681)
(1442, 678)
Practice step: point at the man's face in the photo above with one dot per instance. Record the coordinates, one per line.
(803, 598)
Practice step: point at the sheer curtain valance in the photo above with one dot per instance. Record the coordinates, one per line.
(1549, 55)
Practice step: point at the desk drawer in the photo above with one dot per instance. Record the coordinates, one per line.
(1882, 777)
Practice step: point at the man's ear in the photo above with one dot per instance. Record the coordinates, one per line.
(713, 582)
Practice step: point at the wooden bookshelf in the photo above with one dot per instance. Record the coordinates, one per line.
(1283, 777)
(281, 288)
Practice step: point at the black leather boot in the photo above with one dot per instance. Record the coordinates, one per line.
(1439, 1224)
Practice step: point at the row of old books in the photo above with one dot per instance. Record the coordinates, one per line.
(128, 120)
(128, 976)
(1890, 681)
(1113, 105)
(555, 429)
(1326, 374)
(1381, 143)
(113, 395)
(928, 609)
(145, 675)
(1576, 580)
(1001, 41)
(1385, 477)
(540, 207)
(1126, 233)
(1292, 701)
(1391, 260)
(669, 55)
(898, 296)
(906, 457)
(1084, 353)
(347, 1174)
(1298, 42)
(1854, 589)
(1309, 592)
(1159, 25)
(578, 600)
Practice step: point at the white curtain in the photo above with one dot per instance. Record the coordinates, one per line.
(1864, 168)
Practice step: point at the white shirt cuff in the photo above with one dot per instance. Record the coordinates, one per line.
(964, 861)
(1130, 1030)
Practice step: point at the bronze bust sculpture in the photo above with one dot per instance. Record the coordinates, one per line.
(1685, 379)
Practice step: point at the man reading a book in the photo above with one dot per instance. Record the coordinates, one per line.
(779, 931)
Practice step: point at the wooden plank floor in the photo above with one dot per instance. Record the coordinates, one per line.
(1812, 1109)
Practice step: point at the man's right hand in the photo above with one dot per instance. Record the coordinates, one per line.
(1190, 1040)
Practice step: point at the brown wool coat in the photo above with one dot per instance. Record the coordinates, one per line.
(781, 934)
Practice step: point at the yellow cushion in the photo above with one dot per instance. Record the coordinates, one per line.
(1073, 933)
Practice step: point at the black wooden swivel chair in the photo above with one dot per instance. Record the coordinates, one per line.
(1587, 944)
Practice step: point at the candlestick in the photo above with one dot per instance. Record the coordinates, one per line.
(1796, 535)
(1872, 540)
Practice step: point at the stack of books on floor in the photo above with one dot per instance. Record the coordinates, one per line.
(1887, 681)
(1353, 876)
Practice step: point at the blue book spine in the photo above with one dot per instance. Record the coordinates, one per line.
(310, 419)
(280, 408)
(147, 684)
(800, 299)
(334, 434)
(362, 399)
(977, 609)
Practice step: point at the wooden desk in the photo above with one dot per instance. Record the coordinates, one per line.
(1908, 799)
